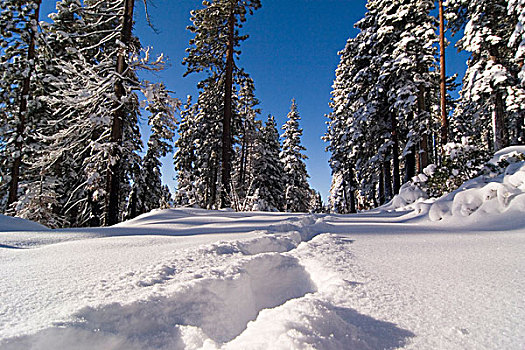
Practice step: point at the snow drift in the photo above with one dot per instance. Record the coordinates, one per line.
(491, 199)
(8, 223)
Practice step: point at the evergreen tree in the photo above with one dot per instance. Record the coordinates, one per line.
(147, 192)
(185, 156)
(297, 189)
(268, 170)
(246, 132)
(207, 185)
(18, 44)
(213, 49)
(491, 96)
(517, 40)
(84, 48)
(316, 202)
(381, 102)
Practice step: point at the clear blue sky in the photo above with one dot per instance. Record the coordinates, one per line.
(291, 53)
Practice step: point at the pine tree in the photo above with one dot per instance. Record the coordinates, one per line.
(213, 49)
(491, 96)
(316, 202)
(297, 189)
(83, 45)
(245, 131)
(18, 44)
(381, 102)
(147, 192)
(208, 145)
(517, 40)
(185, 157)
(268, 170)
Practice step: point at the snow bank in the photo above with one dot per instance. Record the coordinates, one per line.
(483, 197)
(490, 199)
(408, 194)
(9, 223)
(506, 153)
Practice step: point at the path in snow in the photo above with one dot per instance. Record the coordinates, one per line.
(263, 281)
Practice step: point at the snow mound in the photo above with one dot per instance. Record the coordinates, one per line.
(507, 153)
(9, 223)
(408, 194)
(482, 197)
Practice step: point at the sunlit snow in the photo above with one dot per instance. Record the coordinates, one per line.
(193, 279)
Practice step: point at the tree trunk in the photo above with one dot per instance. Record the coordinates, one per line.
(22, 111)
(227, 120)
(388, 180)
(499, 128)
(243, 158)
(382, 186)
(396, 173)
(353, 208)
(114, 168)
(443, 83)
(213, 187)
(95, 211)
(410, 164)
(498, 122)
(422, 155)
(346, 202)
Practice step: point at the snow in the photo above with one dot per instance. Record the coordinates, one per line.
(196, 279)
(506, 153)
(8, 223)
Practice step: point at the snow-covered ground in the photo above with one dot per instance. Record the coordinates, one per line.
(192, 279)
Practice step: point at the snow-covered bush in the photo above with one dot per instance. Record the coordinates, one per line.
(461, 162)
(484, 195)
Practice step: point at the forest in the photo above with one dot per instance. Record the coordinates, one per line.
(71, 97)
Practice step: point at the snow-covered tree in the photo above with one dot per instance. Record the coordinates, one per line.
(268, 170)
(517, 40)
(147, 192)
(185, 157)
(92, 137)
(492, 101)
(245, 131)
(381, 102)
(316, 202)
(214, 49)
(297, 189)
(18, 45)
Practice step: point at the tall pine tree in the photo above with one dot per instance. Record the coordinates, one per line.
(297, 190)
(268, 170)
(18, 44)
(214, 50)
(492, 100)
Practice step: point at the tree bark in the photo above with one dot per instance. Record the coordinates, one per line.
(114, 168)
(22, 111)
(410, 164)
(396, 183)
(227, 119)
(500, 129)
(422, 155)
(388, 180)
(353, 208)
(443, 83)
(243, 158)
(500, 134)
(382, 186)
